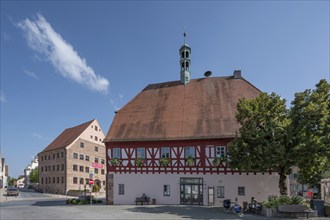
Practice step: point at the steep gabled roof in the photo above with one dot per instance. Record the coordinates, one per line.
(203, 109)
(67, 137)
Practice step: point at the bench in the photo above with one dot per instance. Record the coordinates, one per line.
(293, 209)
(140, 200)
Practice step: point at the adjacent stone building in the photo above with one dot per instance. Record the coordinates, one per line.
(77, 154)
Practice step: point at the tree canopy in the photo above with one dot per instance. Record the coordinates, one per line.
(34, 175)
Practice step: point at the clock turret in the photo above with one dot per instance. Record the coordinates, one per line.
(185, 52)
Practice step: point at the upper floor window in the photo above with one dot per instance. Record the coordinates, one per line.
(82, 145)
(81, 157)
(102, 161)
(95, 128)
(62, 154)
(53, 156)
(96, 138)
(58, 155)
(75, 156)
(165, 152)
(116, 153)
(87, 158)
(190, 152)
(96, 149)
(96, 170)
(220, 151)
(96, 160)
(140, 153)
(75, 167)
(48, 156)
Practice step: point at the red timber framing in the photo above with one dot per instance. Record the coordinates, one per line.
(203, 151)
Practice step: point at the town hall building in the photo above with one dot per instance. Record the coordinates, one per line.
(169, 142)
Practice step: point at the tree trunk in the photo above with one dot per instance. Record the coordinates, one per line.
(282, 182)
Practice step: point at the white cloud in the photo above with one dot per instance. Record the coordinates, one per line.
(43, 38)
(114, 105)
(31, 74)
(2, 97)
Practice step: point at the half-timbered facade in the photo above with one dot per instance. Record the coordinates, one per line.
(170, 142)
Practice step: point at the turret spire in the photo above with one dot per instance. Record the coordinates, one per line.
(185, 52)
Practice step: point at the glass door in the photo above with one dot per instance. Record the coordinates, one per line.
(191, 191)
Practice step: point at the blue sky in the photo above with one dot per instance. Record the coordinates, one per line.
(66, 62)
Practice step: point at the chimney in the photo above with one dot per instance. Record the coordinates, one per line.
(237, 74)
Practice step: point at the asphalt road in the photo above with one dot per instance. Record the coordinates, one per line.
(32, 205)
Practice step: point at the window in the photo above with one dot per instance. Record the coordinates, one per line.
(48, 156)
(102, 161)
(220, 151)
(220, 191)
(81, 168)
(87, 158)
(190, 152)
(91, 136)
(81, 156)
(96, 149)
(87, 169)
(62, 179)
(102, 171)
(62, 167)
(81, 181)
(45, 157)
(165, 152)
(57, 167)
(42, 169)
(53, 167)
(46, 180)
(42, 180)
(58, 155)
(96, 160)
(140, 153)
(53, 179)
(95, 138)
(116, 153)
(166, 190)
(53, 156)
(241, 191)
(82, 145)
(75, 156)
(96, 170)
(95, 128)
(62, 154)
(103, 182)
(57, 180)
(75, 167)
(121, 189)
(46, 168)
(75, 180)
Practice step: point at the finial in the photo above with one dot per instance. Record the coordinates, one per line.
(184, 35)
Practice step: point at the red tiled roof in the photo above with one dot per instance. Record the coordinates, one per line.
(203, 109)
(67, 137)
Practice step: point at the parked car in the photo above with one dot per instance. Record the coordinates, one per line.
(12, 192)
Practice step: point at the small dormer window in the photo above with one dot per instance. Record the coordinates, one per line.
(182, 54)
(187, 54)
(95, 128)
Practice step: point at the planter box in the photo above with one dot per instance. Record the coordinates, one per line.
(269, 212)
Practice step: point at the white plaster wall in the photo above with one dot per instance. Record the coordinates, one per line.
(260, 186)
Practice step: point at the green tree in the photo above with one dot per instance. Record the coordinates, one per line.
(34, 175)
(310, 129)
(11, 181)
(262, 142)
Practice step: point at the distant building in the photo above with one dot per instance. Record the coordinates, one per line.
(169, 142)
(33, 165)
(3, 172)
(68, 162)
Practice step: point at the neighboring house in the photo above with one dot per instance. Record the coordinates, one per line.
(67, 163)
(168, 141)
(20, 182)
(28, 169)
(3, 173)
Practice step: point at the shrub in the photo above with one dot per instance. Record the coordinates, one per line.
(165, 161)
(96, 188)
(275, 201)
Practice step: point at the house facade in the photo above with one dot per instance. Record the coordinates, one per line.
(74, 157)
(3, 173)
(33, 165)
(170, 142)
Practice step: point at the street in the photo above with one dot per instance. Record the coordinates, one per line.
(32, 205)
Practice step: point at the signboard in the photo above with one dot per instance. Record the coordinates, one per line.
(91, 182)
(97, 165)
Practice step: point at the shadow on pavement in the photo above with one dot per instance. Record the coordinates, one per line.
(61, 202)
(194, 212)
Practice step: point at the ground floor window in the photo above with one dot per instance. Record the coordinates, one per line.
(121, 189)
(166, 190)
(220, 191)
(241, 191)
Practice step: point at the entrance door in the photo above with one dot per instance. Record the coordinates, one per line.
(191, 191)
(211, 195)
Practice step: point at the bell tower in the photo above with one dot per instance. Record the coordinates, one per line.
(185, 52)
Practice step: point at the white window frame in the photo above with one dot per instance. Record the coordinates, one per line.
(190, 151)
(166, 190)
(116, 153)
(165, 152)
(220, 151)
(241, 191)
(121, 189)
(220, 191)
(141, 153)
